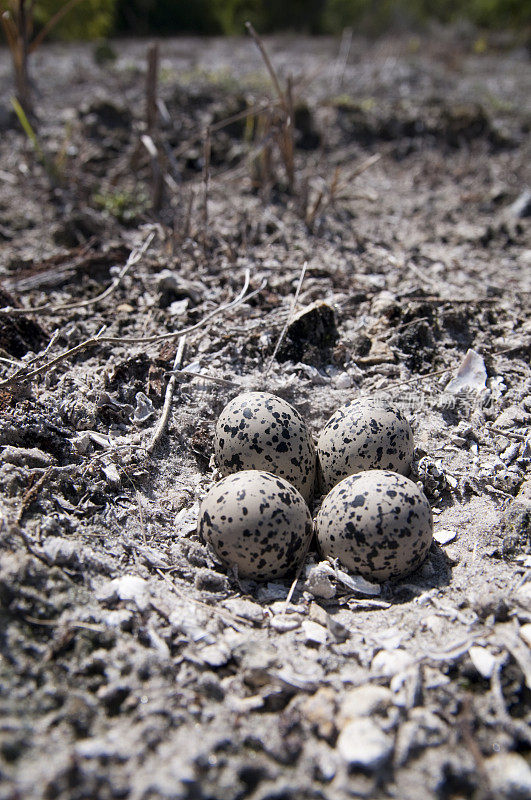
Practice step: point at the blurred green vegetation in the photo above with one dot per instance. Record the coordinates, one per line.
(92, 19)
(89, 19)
(313, 16)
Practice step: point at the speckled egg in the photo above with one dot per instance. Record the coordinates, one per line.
(257, 430)
(364, 434)
(257, 522)
(377, 523)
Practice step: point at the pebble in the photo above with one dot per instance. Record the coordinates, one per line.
(325, 762)
(444, 535)
(523, 595)
(423, 729)
(509, 776)
(128, 587)
(282, 623)
(314, 634)
(525, 633)
(112, 475)
(433, 623)
(483, 660)
(512, 417)
(319, 581)
(61, 551)
(363, 701)
(390, 662)
(245, 609)
(452, 556)
(362, 744)
(318, 710)
(343, 381)
(215, 655)
(27, 457)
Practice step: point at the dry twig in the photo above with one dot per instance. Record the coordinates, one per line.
(48, 308)
(206, 183)
(23, 375)
(163, 421)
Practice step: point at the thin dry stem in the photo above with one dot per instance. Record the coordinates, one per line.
(341, 61)
(47, 308)
(98, 339)
(269, 65)
(163, 421)
(206, 184)
(50, 25)
(157, 177)
(286, 135)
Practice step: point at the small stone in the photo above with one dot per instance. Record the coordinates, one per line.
(452, 556)
(363, 701)
(509, 776)
(390, 662)
(362, 744)
(319, 581)
(113, 476)
(144, 409)
(314, 634)
(128, 587)
(483, 660)
(343, 381)
(282, 623)
(62, 552)
(319, 710)
(215, 655)
(523, 595)
(444, 535)
(245, 609)
(325, 761)
(27, 457)
(207, 580)
(471, 374)
(525, 633)
(336, 628)
(522, 206)
(433, 623)
(512, 417)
